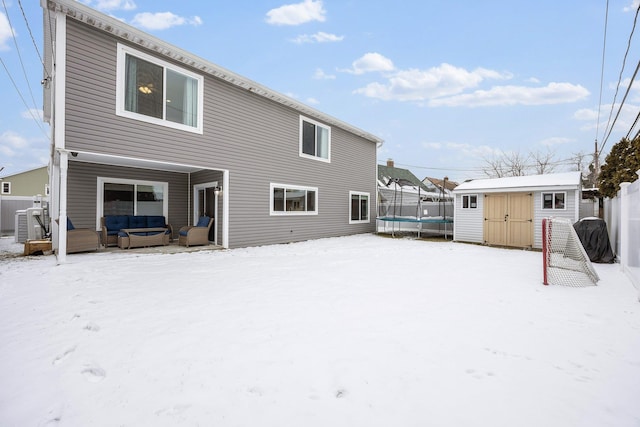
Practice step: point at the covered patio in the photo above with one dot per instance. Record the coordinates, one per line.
(92, 185)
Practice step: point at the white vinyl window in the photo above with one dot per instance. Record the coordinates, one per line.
(6, 187)
(554, 200)
(358, 207)
(470, 201)
(315, 140)
(155, 91)
(293, 200)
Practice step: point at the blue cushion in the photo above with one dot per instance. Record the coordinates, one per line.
(182, 232)
(69, 225)
(121, 234)
(154, 221)
(137, 222)
(116, 222)
(203, 221)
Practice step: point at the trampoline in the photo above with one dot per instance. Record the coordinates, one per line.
(395, 211)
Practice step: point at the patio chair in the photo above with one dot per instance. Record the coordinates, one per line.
(192, 235)
(81, 239)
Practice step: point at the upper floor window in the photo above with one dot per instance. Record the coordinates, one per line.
(6, 187)
(293, 200)
(553, 200)
(315, 140)
(470, 201)
(155, 91)
(359, 207)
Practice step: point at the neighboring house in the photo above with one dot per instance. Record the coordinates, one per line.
(400, 187)
(268, 168)
(442, 185)
(402, 197)
(21, 191)
(509, 211)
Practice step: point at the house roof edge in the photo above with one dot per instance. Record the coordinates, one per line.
(83, 13)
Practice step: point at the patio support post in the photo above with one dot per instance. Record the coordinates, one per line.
(225, 209)
(62, 218)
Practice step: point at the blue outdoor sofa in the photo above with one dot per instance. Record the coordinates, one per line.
(131, 231)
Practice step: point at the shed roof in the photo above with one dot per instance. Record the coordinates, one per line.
(523, 183)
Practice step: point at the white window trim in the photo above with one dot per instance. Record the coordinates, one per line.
(291, 187)
(8, 186)
(469, 196)
(553, 198)
(360, 221)
(309, 156)
(120, 89)
(100, 194)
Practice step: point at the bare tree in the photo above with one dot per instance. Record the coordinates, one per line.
(578, 160)
(494, 166)
(543, 161)
(516, 163)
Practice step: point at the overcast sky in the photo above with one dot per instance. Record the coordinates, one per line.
(445, 84)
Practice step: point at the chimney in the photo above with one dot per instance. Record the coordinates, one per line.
(390, 163)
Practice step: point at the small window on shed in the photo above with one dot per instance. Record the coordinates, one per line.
(470, 201)
(553, 200)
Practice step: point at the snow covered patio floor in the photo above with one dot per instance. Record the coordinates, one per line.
(354, 331)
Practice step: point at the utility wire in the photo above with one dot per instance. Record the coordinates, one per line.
(29, 110)
(604, 46)
(33, 40)
(609, 123)
(567, 161)
(635, 122)
(635, 73)
(24, 71)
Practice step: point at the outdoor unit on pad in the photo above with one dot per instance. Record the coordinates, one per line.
(564, 260)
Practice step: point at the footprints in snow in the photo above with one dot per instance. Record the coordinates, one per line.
(340, 393)
(92, 327)
(64, 356)
(92, 373)
(480, 375)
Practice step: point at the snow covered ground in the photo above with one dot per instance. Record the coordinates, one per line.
(354, 331)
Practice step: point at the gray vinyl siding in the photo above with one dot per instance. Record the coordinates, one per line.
(82, 187)
(255, 139)
(468, 224)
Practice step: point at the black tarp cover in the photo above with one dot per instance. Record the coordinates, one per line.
(593, 234)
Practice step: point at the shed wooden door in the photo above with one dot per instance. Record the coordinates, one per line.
(508, 219)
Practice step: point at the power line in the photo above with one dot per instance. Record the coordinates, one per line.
(635, 122)
(29, 110)
(33, 40)
(635, 73)
(24, 71)
(566, 161)
(609, 123)
(604, 46)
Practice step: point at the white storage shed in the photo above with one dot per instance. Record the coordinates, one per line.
(509, 211)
